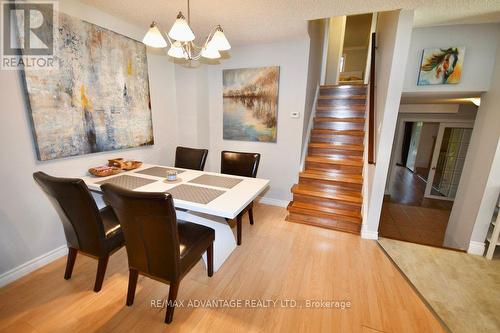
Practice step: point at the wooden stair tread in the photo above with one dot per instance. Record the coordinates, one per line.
(353, 215)
(332, 194)
(342, 96)
(332, 176)
(353, 107)
(336, 159)
(343, 86)
(326, 131)
(340, 146)
(339, 120)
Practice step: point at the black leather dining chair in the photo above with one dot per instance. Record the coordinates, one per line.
(88, 230)
(158, 245)
(240, 164)
(190, 158)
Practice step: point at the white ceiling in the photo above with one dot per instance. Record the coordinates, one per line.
(261, 21)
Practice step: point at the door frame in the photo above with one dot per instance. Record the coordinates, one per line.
(435, 157)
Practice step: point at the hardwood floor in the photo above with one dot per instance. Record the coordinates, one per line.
(329, 190)
(407, 215)
(277, 261)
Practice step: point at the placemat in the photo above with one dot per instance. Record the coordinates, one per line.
(217, 181)
(127, 181)
(197, 194)
(158, 171)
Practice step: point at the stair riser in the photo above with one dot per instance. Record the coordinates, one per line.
(329, 203)
(341, 102)
(349, 139)
(343, 91)
(334, 151)
(341, 113)
(339, 126)
(324, 222)
(335, 167)
(321, 183)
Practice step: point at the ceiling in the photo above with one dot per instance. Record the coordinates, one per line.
(261, 21)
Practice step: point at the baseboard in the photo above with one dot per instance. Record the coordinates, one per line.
(369, 234)
(273, 202)
(33, 264)
(476, 248)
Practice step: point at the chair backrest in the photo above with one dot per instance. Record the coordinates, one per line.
(239, 164)
(190, 158)
(149, 226)
(77, 210)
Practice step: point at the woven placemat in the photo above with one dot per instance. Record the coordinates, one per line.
(217, 181)
(127, 181)
(197, 194)
(158, 171)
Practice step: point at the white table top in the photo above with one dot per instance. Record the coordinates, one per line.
(227, 205)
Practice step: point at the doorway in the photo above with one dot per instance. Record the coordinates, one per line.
(426, 167)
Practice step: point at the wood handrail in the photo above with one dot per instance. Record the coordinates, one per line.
(371, 111)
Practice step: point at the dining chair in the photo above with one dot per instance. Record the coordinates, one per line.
(158, 245)
(240, 164)
(190, 158)
(88, 230)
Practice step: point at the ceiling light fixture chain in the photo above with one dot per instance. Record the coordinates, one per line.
(181, 39)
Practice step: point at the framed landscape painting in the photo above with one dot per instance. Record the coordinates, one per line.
(441, 66)
(250, 104)
(95, 99)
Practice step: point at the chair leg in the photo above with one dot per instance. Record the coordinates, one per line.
(250, 215)
(132, 283)
(210, 260)
(101, 270)
(172, 296)
(238, 230)
(70, 263)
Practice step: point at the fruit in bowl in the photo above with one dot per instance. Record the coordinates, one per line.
(123, 164)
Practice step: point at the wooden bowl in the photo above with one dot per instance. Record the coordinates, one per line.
(116, 162)
(104, 171)
(131, 165)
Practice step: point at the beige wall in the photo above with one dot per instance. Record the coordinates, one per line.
(474, 199)
(335, 44)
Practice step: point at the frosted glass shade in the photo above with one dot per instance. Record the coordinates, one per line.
(176, 50)
(210, 51)
(154, 37)
(180, 30)
(220, 41)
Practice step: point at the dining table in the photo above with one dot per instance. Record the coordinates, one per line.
(207, 198)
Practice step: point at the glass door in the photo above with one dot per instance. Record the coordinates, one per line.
(448, 160)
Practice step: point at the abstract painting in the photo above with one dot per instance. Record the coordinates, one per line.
(441, 66)
(250, 104)
(95, 99)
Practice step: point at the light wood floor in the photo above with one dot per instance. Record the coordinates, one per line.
(278, 260)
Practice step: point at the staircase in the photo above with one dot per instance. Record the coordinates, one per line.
(329, 190)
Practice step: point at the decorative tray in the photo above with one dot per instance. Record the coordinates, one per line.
(104, 171)
(123, 164)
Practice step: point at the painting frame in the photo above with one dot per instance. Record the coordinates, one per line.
(441, 66)
(256, 91)
(145, 120)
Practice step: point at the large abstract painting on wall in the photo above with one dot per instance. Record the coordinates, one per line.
(441, 66)
(250, 104)
(96, 98)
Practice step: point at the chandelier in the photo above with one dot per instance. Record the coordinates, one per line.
(181, 40)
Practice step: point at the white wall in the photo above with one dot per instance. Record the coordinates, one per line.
(393, 31)
(426, 144)
(29, 226)
(335, 45)
(480, 41)
(316, 31)
(474, 199)
(280, 161)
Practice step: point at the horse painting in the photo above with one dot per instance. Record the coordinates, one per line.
(441, 66)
